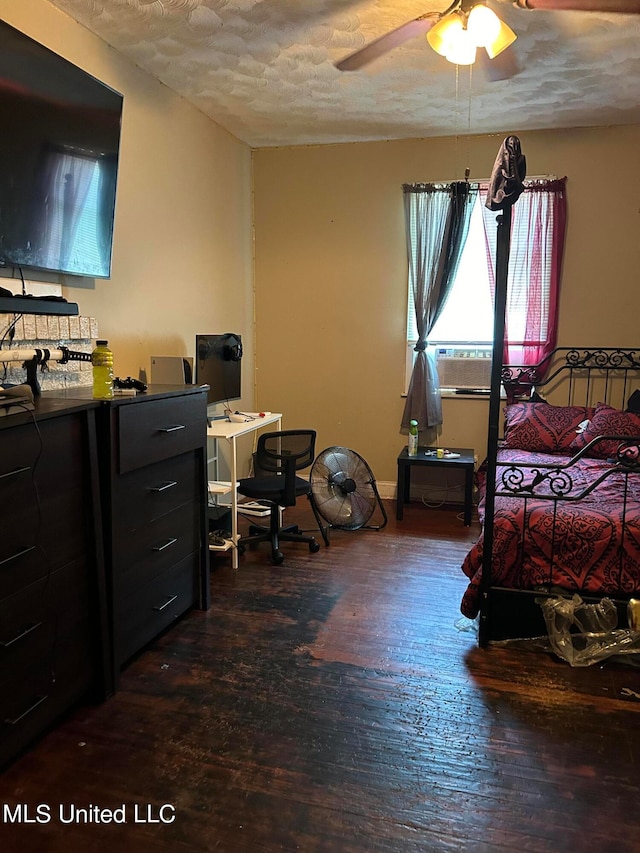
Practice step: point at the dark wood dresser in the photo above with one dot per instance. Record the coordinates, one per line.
(53, 620)
(104, 543)
(154, 484)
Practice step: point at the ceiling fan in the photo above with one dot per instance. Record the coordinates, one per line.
(468, 24)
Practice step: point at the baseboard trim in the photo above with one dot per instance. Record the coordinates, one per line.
(387, 490)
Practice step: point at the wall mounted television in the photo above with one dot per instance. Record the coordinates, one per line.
(59, 151)
(218, 365)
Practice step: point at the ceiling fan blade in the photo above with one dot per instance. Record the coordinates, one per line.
(389, 41)
(628, 7)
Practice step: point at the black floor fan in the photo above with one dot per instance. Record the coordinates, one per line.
(344, 491)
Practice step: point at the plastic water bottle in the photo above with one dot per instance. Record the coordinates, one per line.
(412, 449)
(102, 361)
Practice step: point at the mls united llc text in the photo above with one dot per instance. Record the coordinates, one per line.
(70, 813)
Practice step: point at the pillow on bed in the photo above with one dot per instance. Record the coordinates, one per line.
(607, 421)
(543, 428)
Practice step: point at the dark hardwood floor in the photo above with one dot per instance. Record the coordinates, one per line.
(334, 704)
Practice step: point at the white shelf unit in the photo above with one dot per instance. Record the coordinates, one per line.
(219, 487)
(215, 490)
(228, 544)
(230, 432)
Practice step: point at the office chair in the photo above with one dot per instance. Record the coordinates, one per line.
(277, 458)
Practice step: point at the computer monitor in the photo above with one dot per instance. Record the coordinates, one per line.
(218, 365)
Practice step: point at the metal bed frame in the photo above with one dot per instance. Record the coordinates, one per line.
(568, 376)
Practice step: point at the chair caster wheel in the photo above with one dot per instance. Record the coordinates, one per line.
(277, 558)
(314, 547)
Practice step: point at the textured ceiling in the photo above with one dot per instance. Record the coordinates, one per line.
(263, 69)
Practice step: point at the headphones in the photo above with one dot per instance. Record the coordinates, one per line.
(233, 350)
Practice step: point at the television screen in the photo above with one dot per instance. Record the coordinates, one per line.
(58, 161)
(218, 362)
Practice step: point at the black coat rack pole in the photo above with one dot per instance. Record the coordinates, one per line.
(503, 247)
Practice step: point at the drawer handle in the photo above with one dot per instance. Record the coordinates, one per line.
(15, 472)
(173, 428)
(167, 544)
(164, 486)
(22, 634)
(169, 601)
(15, 556)
(16, 720)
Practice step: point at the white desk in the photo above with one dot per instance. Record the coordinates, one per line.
(224, 429)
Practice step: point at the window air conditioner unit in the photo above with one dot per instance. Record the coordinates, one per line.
(461, 371)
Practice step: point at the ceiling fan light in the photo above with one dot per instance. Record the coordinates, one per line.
(505, 37)
(484, 25)
(442, 34)
(462, 51)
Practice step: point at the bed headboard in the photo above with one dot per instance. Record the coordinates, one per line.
(576, 376)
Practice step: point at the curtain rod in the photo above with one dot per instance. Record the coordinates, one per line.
(482, 180)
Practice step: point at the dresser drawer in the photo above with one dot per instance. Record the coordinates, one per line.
(32, 670)
(41, 616)
(148, 493)
(39, 535)
(150, 431)
(45, 514)
(154, 606)
(39, 697)
(46, 654)
(19, 448)
(16, 484)
(20, 516)
(156, 547)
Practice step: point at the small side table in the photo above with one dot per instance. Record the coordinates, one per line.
(426, 456)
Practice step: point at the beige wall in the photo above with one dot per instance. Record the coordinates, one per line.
(331, 273)
(183, 254)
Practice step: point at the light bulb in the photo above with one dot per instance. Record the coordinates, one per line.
(462, 51)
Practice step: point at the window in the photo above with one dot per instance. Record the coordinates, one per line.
(537, 240)
(467, 317)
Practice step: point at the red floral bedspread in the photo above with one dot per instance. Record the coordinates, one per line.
(593, 552)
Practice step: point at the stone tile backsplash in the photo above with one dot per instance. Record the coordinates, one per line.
(46, 331)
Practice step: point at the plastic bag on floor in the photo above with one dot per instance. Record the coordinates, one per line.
(584, 634)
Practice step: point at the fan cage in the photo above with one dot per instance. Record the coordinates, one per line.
(344, 491)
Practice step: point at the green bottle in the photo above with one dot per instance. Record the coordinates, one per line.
(102, 361)
(412, 449)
